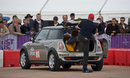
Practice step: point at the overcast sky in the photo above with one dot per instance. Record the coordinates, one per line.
(64, 5)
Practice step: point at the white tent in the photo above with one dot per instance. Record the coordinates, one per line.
(113, 8)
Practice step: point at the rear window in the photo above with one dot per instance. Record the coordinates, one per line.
(55, 34)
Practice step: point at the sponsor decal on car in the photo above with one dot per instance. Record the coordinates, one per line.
(37, 54)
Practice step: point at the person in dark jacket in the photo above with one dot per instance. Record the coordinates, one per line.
(112, 29)
(65, 20)
(87, 29)
(102, 22)
(55, 19)
(25, 29)
(99, 28)
(38, 23)
(122, 26)
(30, 21)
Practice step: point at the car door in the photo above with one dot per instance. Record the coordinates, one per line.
(37, 49)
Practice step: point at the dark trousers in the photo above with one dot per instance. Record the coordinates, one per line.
(85, 42)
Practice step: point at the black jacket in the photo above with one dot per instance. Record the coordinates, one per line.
(87, 28)
(36, 25)
(111, 28)
(100, 29)
(25, 30)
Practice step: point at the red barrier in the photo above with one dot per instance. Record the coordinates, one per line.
(110, 58)
(128, 58)
(120, 57)
(11, 58)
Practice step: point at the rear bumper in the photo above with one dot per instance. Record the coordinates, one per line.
(79, 60)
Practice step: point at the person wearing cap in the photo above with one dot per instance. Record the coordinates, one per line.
(87, 29)
(30, 20)
(3, 30)
(72, 16)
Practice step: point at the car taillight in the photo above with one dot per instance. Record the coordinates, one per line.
(95, 58)
(61, 46)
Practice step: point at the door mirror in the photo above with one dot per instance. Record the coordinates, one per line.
(32, 39)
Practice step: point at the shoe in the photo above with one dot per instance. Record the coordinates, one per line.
(87, 71)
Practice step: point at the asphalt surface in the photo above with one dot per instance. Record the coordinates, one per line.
(74, 72)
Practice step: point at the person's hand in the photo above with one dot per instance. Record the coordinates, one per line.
(31, 33)
(112, 34)
(76, 27)
(97, 34)
(127, 28)
(19, 33)
(2, 35)
(114, 31)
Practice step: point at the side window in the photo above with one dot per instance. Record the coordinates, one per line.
(55, 34)
(42, 35)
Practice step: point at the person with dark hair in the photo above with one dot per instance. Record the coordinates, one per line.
(25, 29)
(112, 29)
(38, 23)
(3, 30)
(14, 27)
(70, 47)
(5, 22)
(102, 22)
(55, 19)
(30, 20)
(72, 16)
(99, 28)
(122, 26)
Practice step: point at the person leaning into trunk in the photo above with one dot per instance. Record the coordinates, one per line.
(87, 29)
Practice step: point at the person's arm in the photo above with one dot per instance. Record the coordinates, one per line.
(127, 29)
(94, 29)
(100, 29)
(11, 29)
(6, 31)
(80, 25)
(108, 30)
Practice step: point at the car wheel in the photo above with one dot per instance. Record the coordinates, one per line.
(24, 60)
(98, 66)
(66, 66)
(53, 62)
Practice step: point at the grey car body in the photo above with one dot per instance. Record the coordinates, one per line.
(48, 48)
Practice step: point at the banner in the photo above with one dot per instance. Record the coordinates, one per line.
(120, 41)
(9, 42)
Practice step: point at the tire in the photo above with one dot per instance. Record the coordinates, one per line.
(66, 66)
(98, 66)
(53, 62)
(24, 60)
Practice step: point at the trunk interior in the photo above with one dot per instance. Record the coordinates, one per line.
(76, 46)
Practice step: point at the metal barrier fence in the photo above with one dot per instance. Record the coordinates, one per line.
(16, 42)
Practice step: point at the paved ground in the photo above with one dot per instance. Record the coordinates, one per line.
(74, 72)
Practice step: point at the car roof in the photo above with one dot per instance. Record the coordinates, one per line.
(53, 27)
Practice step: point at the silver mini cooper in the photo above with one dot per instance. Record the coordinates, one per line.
(49, 47)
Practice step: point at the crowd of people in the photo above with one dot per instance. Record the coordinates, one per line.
(33, 26)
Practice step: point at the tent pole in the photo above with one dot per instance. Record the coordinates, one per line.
(44, 6)
(99, 12)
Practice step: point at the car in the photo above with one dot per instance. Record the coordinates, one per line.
(49, 48)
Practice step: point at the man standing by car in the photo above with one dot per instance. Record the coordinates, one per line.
(87, 28)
